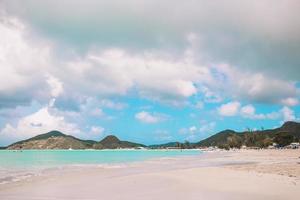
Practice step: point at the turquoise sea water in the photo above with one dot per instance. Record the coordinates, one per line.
(32, 159)
(21, 165)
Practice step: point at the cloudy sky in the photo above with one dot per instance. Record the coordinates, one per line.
(147, 71)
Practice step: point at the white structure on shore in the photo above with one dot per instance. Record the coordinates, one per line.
(294, 145)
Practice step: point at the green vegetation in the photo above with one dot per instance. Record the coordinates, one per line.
(58, 140)
(112, 142)
(283, 136)
(283, 139)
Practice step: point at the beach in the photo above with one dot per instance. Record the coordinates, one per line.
(240, 174)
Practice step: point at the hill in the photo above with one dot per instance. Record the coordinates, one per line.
(52, 140)
(166, 145)
(287, 133)
(58, 140)
(177, 145)
(112, 142)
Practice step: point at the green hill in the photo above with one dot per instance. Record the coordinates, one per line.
(288, 132)
(58, 140)
(112, 142)
(167, 145)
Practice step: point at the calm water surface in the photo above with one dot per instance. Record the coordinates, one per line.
(29, 159)
(21, 165)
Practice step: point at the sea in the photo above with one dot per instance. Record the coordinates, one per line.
(17, 165)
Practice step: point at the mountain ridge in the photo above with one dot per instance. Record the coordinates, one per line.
(227, 139)
(58, 140)
(288, 132)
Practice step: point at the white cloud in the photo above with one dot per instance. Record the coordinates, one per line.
(150, 118)
(46, 119)
(268, 44)
(254, 87)
(42, 121)
(56, 86)
(112, 105)
(153, 75)
(97, 112)
(211, 96)
(22, 61)
(207, 127)
(190, 133)
(229, 109)
(288, 114)
(193, 129)
(194, 133)
(290, 101)
(249, 111)
(92, 107)
(97, 130)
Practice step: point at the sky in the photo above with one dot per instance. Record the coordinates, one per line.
(147, 71)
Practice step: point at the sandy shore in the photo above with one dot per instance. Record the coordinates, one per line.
(249, 174)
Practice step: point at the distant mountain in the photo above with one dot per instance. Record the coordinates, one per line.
(177, 145)
(288, 132)
(166, 145)
(112, 142)
(52, 140)
(58, 140)
(292, 128)
(217, 139)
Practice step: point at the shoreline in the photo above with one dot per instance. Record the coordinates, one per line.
(242, 174)
(11, 173)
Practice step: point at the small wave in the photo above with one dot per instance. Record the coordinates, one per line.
(16, 177)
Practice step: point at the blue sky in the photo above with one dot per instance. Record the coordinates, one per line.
(149, 72)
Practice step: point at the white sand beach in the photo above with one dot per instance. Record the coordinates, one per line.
(242, 174)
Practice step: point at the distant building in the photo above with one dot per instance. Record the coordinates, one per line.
(173, 148)
(244, 147)
(275, 145)
(140, 148)
(271, 147)
(294, 145)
